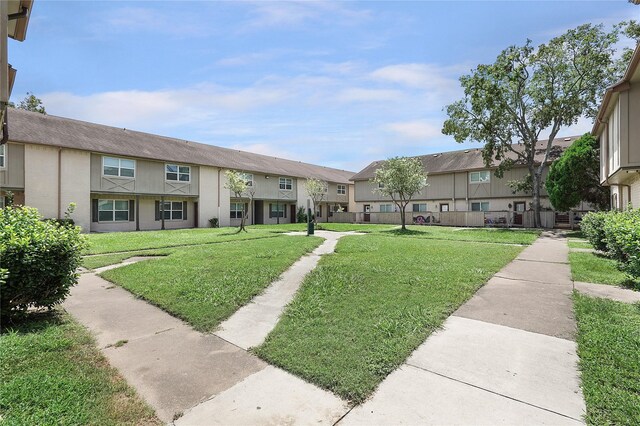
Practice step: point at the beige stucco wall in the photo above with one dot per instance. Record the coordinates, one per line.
(635, 191)
(12, 174)
(149, 179)
(41, 179)
(208, 195)
(74, 186)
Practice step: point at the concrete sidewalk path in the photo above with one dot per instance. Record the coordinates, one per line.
(608, 291)
(250, 325)
(507, 356)
(175, 368)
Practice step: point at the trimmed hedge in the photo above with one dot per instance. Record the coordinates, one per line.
(618, 234)
(592, 226)
(622, 234)
(39, 259)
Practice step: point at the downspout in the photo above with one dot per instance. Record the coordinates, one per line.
(162, 212)
(59, 183)
(219, 189)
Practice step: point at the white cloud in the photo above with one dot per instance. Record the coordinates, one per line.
(141, 19)
(416, 129)
(422, 76)
(297, 13)
(356, 94)
(163, 108)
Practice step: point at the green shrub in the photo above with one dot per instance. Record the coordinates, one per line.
(214, 222)
(592, 226)
(40, 258)
(622, 235)
(301, 216)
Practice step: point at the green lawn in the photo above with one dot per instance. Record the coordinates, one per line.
(609, 350)
(130, 241)
(579, 244)
(595, 268)
(494, 235)
(100, 260)
(52, 373)
(364, 309)
(205, 284)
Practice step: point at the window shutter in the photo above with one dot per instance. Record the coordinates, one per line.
(184, 210)
(158, 213)
(94, 210)
(132, 210)
(270, 211)
(284, 214)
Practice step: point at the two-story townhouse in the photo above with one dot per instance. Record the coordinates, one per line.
(617, 128)
(123, 180)
(457, 181)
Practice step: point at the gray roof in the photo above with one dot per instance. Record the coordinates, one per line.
(35, 128)
(462, 160)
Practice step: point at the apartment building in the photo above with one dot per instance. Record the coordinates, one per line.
(457, 181)
(618, 130)
(124, 180)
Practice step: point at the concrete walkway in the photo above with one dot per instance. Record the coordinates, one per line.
(251, 324)
(175, 368)
(505, 357)
(608, 291)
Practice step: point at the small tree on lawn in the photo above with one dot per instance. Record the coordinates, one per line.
(575, 177)
(400, 178)
(317, 190)
(237, 184)
(531, 91)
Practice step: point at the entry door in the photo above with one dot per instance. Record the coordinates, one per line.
(294, 216)
(258, 212)
(367, 213)
(518, 212)
(444, 207)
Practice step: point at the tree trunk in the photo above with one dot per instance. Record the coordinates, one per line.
(402, 217)
(536, 182)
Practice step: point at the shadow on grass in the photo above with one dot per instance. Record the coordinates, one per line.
(574, 234)
(407, 232)
(32, 321)
(629, 284)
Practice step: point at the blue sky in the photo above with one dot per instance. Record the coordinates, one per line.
(334, 83)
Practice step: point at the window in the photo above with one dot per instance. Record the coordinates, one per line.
(277, 210)
(113, 210)
(177, 173)
(286, 184)
(386, 208)
(248, 177)
(342, 189)
(173, 210)
(121, 167)
(479, 177)
(482, 206)
(420, 207)
(380, 185)
(237, 210)
(3, 149)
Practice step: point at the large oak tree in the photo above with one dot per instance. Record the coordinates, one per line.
(529, 94)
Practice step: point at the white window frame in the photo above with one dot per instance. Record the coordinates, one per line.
(113, 210)
(177, 173)
(420, 209)
(285, 182)
(3, 156)
(234, 212)
(119, 175)
(386, 208)
(342, 189)
(480, 178)
(480, 204)
(171, 210)
(280, 210)
(248, 177)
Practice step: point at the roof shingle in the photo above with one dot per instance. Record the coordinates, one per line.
(35, 128)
